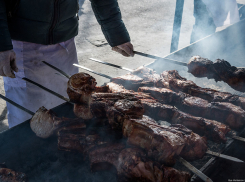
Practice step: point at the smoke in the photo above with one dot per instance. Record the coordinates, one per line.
(227, 44)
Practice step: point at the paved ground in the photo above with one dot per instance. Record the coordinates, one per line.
(150, 26)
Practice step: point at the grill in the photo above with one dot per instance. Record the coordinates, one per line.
(42, 161)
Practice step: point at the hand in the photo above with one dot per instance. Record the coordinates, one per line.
(125, 49)
(8, 64)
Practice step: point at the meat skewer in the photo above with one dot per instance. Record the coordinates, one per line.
(172, 80)
(220, 70)
(228, 113)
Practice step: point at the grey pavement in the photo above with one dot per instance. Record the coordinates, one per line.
(150, 24)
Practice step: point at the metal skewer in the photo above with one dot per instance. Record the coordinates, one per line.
(106, 76)
(110, 64)
(57, 69)
(160, 58)
(16, 105)
(48, 90)
(194, 170)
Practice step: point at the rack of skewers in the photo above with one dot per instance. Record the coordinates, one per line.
(142, 126)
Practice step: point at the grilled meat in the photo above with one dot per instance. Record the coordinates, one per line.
(220, 70)
(82, 111)
(132, 164)
(172, 80)
(45, 123)
(8, 175)
(102, 89)
(212, 129)
(147, 74)
(80, 87)
(132, 82)
(163, 143)
(224, 112)
(82, 138)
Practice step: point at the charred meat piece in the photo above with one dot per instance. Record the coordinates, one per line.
(112, 96)
(172, 80)
(130, 108)
(83, 138)
(102, 89)
(227, 113)
(132, 82)
(147, 74)
(8, 175)
(201, 67)
(212, 129)
(163, 143)
(105, 157)
(220, 70)
(162, 94)
(82, 111)
(80, 87)
(45, 123)
(133, 165)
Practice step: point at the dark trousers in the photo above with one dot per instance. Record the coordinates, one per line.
(204, 24)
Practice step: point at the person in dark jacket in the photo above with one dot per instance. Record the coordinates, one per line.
(44, 30)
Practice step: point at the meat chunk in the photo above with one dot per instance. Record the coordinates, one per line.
(212, 129)
(45, 123)
(131, 82)
(132, 164)
(161, 94)
(102, 89)
(8, 175)
(163, 143)
(80, 87)
(220, 70)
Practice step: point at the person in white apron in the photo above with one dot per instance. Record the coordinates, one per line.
(210, 14)
(36, 31)
(29, 57)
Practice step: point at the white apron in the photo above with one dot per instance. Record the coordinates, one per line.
(29, 57)
(224, 12)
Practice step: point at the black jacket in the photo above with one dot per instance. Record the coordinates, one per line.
(54, 21)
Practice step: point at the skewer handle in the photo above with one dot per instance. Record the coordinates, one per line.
(106, 76)
(160, 58)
